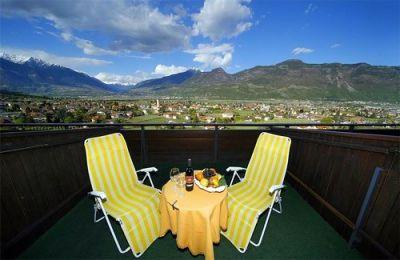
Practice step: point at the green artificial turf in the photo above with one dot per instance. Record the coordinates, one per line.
(299, 232)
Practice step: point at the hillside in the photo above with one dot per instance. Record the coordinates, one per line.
(34, 76)
(174, 79)
(292, 79)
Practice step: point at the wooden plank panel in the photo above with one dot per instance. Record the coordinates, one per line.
(339, 170)
(389, 235)
(15, 170)
(78, 156)
(31, 179)
(35, 181)
(8, 225)
(44, 175)
(63, 173)
(11, 205)
(384, 199)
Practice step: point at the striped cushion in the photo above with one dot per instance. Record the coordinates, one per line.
(138, 211)
(110, 166)
(268, 162)
(249, 198)
(111, 171)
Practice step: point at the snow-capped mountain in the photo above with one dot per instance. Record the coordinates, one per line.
(14, 58)
(35, 76)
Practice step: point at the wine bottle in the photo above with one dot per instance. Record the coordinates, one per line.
(189, 178)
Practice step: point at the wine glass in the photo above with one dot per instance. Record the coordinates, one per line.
(173, 174)
(180, 183)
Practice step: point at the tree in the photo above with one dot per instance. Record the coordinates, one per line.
(81, 115)
(118, 120)
(69, 119)
(137, 112)
(13, 108)
(23, 119)
(49, 118)
(60, 115)
(223, 120)
(195, 118)
(28, 110)
(327, 120)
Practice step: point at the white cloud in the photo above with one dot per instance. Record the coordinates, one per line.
(86, 46)
(180, 10)
(336, 45)
(310, 8)
(130, 25)
(159, 71)
(142, 57)
(220, 19)
(111, 78)
(67, 61)
(165, 70)
(301, 50)
(212, 56)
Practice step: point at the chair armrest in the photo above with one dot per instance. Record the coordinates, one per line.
(275, 188)
(235, 169)
(98, 194)
(148, 170)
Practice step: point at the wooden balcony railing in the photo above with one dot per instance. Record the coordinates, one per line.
(344, 126)
(43, 173)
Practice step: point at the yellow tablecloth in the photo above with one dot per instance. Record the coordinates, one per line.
(197, 220)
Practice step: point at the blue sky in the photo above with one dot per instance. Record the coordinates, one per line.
(129, 41)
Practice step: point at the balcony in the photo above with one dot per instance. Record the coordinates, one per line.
(333, 172)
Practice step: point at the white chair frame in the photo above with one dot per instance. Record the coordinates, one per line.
(277, 199)
(147, 172)
(235, 171)
(99, 197)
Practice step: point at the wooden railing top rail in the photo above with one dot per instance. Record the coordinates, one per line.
(350, 125)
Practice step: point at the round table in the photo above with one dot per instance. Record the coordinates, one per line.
(196, 218)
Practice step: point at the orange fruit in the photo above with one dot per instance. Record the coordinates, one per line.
(215, 182)
(199, 176)
(204, 182)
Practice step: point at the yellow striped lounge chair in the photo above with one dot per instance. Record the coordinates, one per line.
(118, 192)
(258, 191)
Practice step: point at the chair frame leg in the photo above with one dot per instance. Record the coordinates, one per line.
(235, 174)
(279, 211)
(147, 175)
(263, 231)
(243, 250)
(99, 206)
(277, 200)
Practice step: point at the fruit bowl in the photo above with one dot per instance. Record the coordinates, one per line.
(215, 183)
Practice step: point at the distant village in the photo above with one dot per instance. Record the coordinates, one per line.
(47, 110)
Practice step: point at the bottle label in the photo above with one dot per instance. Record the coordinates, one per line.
(189, 179)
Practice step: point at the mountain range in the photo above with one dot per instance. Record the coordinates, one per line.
(34, 76)
(291, 79)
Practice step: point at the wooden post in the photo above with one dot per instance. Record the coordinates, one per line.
(215, 144)
(367, 199)
(143, 155)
